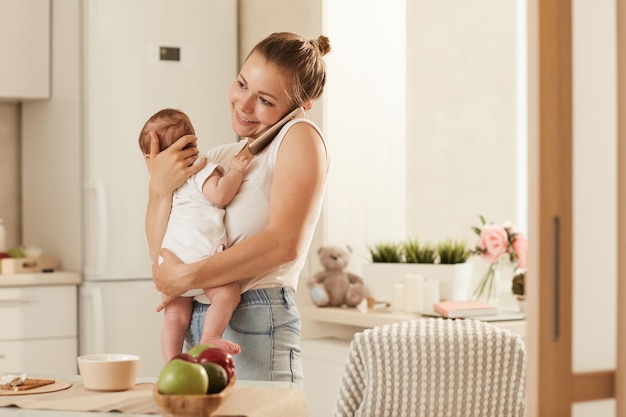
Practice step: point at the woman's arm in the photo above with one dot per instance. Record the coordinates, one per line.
(169, 169)
(297, 187)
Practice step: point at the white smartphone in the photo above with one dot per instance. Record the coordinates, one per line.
(258, 144)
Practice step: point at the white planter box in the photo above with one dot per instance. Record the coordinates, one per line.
(455, 281)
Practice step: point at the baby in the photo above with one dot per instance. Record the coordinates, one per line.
(194, 231)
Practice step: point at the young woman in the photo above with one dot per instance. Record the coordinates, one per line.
(271, 221)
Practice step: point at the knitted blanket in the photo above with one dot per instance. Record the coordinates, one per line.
(434, 368)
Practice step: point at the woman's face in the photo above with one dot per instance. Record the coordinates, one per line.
(257, 97)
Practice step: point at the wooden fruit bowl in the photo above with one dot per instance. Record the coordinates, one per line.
(192, 405)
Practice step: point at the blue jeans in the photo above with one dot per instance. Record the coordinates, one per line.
(267, 326)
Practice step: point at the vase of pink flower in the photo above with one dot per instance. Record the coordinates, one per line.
(499, 245)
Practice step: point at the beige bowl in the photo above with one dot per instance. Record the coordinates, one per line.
(108, 371)
(193, 405)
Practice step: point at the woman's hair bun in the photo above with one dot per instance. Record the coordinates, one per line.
(323, 44)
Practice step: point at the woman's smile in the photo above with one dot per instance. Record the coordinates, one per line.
(243, 120)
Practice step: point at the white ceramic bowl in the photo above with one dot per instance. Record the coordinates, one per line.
(108, 371)
(31, 251)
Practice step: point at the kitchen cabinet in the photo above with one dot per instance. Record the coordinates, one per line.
(324, 361)
(39, 329)
(25, 46)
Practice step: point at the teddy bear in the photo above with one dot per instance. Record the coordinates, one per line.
(335, 287)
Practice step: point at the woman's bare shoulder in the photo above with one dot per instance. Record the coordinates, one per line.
(304, 133)
(304, 145)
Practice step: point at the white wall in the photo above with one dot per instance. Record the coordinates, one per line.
(461, 116)
(453, 89)
(595, 191)
(595, 182)
(365, 122)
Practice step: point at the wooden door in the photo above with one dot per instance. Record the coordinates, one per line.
(553, 386)
(620, 380)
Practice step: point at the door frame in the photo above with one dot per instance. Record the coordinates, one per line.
(552, 385)
(620, 377)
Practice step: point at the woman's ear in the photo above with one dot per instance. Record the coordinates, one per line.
(306, 106)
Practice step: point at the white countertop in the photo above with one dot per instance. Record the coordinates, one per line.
(47, 278)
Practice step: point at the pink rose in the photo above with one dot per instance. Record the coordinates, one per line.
(494, 242)
(520, 247)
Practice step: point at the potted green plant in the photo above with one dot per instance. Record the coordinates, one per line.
(453, 252)
(386, 268)
(387, 252)
(416, 253)
(444, 261)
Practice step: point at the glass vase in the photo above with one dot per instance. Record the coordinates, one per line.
(488, 286)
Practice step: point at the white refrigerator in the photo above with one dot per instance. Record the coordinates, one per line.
(115, 63)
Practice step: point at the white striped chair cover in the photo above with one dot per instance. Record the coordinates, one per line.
(434, 367)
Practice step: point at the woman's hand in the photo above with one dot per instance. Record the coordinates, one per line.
(168, 278)
(170, 168)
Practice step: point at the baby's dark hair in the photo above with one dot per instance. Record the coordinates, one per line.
(302, 60)
(169, 124)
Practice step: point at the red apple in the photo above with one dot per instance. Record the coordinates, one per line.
(220, 357)
(4, 255)
(186, 357)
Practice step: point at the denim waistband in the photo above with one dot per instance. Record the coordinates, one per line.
(277, 295)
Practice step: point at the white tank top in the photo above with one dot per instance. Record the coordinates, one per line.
(248, 212)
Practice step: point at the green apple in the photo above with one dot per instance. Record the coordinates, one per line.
(181, 377)
(197, 349)
(218, 378)
(15, 252)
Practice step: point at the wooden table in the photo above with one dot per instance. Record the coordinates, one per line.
(250, 399)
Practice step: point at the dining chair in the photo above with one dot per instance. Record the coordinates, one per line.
(434, 367)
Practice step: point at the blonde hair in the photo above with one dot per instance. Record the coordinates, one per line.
(169, 124)
(302, 61)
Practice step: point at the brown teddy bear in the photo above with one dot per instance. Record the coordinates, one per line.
(335, 287)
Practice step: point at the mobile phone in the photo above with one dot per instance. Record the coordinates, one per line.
(258, 144)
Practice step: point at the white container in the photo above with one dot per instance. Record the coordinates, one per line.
(397, 298)
(413, 293)
(108, 372)
(3, 237)
(455, 280)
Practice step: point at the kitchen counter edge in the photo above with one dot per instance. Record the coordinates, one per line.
(38, 279)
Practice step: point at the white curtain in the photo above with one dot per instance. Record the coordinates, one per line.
(365, 112)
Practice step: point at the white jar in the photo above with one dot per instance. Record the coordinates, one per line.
(3, 237)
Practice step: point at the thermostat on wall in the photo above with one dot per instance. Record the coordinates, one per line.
(169, 53)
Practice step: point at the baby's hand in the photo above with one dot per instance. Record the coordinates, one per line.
(240, 162)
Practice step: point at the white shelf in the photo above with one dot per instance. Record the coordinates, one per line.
(374, 318)
(353, 317)
(44, 278)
